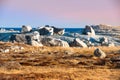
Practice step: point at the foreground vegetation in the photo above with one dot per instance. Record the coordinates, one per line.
(57, 63)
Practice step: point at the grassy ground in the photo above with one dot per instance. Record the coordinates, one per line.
(57, 63)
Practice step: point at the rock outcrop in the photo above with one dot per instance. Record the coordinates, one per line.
(26, 29)
(78, 43)
(49, 41)
(99, 53)
(18, 38)
(89, 31)
(50, 30)
(103, 40)
(58, 31)
(36, 36)
(46, 30)
(31, 39)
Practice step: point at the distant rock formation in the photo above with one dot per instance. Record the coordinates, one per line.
(103, 27)
(89, 31)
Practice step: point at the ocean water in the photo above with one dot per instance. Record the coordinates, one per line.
(69, 30)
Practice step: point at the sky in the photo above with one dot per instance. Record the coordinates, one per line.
(59, 13)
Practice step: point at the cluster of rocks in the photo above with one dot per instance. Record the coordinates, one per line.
(52, 36)
(39, 36)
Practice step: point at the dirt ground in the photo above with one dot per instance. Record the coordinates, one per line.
(58, 63)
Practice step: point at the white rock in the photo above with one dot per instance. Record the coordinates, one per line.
(26, 29)
(78, 43)
(36, 36)
(49, 41)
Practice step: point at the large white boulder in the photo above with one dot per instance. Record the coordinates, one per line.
(78, 43)
(26, 29)
(36, 36)
(49, 41)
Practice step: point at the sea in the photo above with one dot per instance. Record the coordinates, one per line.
(69, 30)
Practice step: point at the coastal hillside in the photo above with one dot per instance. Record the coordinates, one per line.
(106, 27)
(107, 30)
(24, 62)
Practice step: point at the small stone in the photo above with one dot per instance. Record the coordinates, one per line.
(99, 53)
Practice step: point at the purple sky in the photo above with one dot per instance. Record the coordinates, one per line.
(61, 13)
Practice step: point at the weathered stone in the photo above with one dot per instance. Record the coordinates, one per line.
(49, 41)
(31, 39)
(103, 40)
(89, 31)
(22, 38)
(99, 53)
(78, 43)
(36, 36)
(58, 31)
(46, 31)
(26, 29)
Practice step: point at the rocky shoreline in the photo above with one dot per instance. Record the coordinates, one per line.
(53, 36)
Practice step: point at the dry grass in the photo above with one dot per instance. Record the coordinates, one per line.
(57, 63)
(58, 73)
